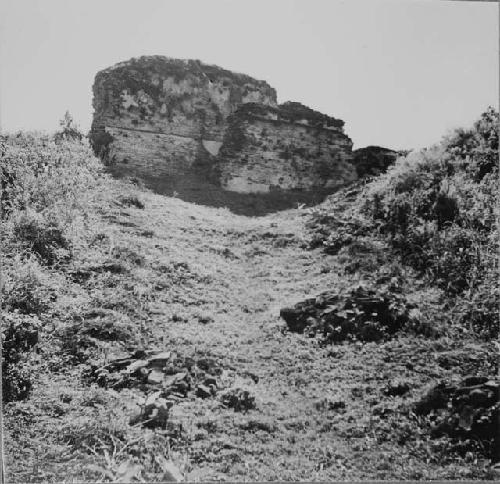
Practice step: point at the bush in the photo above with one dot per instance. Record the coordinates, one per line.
(90, 328)
(437, 206)
(69, 129)
(27, 288)
(437, 211)
(45, 239)
(19, 335)
(478, 309)
(131, 201)
(43, 176)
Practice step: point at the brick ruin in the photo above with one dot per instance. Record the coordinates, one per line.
(156, 116)
(283, 148)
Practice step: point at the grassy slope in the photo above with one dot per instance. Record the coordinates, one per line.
(208, 282)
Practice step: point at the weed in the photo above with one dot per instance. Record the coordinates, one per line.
(19, 335)
(131, 201)
(45, 239)
(27, 288)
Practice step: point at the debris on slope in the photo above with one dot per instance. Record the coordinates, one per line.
(147, 369)
(362, 313)
(239, 399)
(338, 223)
(468, 412)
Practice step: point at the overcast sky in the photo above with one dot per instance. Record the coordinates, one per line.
(400, 73)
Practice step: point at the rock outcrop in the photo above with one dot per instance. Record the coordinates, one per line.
(156, 116)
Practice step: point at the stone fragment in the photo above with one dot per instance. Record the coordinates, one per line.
(203, 391)
(136, 365)
(178, 384)
(159, 359)
(154, 412)
(210, 380)
(155, 377)
(465, 412)
(396, 388)
(471, 380)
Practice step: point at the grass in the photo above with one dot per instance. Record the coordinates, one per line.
(208, 284)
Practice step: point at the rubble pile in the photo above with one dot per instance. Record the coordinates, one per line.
(164, 377)
(468, 412)
(362, 313)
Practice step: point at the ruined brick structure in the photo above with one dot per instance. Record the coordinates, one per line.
(158, 116)
(288, 147)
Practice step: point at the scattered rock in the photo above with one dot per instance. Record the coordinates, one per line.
(396, 388)
(143, 370)
(155, 377)
(137, 365)
(203, 391)
(154, 412)
(209, 381)
(209, 365)
(178, 384)
(468, 412)
(470, 380)
(468, 360)
(363, 313)
(254, 425)
(239, 399)
(160, 359)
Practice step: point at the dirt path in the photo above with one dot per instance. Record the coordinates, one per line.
(205, 283)
(232, 275)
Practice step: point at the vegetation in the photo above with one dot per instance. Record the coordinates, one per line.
(142, 338)
(69, 129)
(294, 111)
(47, 186)
(434, 216)
(374, 160)
(438, 210)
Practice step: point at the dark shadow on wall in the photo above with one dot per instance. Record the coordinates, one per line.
(195, 189)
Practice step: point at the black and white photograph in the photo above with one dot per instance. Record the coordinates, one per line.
(249, 241)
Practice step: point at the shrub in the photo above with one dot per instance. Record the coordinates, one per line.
(69, 129)
(478, 308)
(131, 201)
(437, 206)
(19, 335)
(437, 210)
(92, 327)
(41, 175)
(27, 288)
(101, 143)
(46, 239)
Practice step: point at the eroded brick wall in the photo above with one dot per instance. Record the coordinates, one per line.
(159, 114)
(266, 150)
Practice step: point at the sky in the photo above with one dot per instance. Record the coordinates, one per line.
(400, 73)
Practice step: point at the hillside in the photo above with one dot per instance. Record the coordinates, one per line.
(143, 337)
